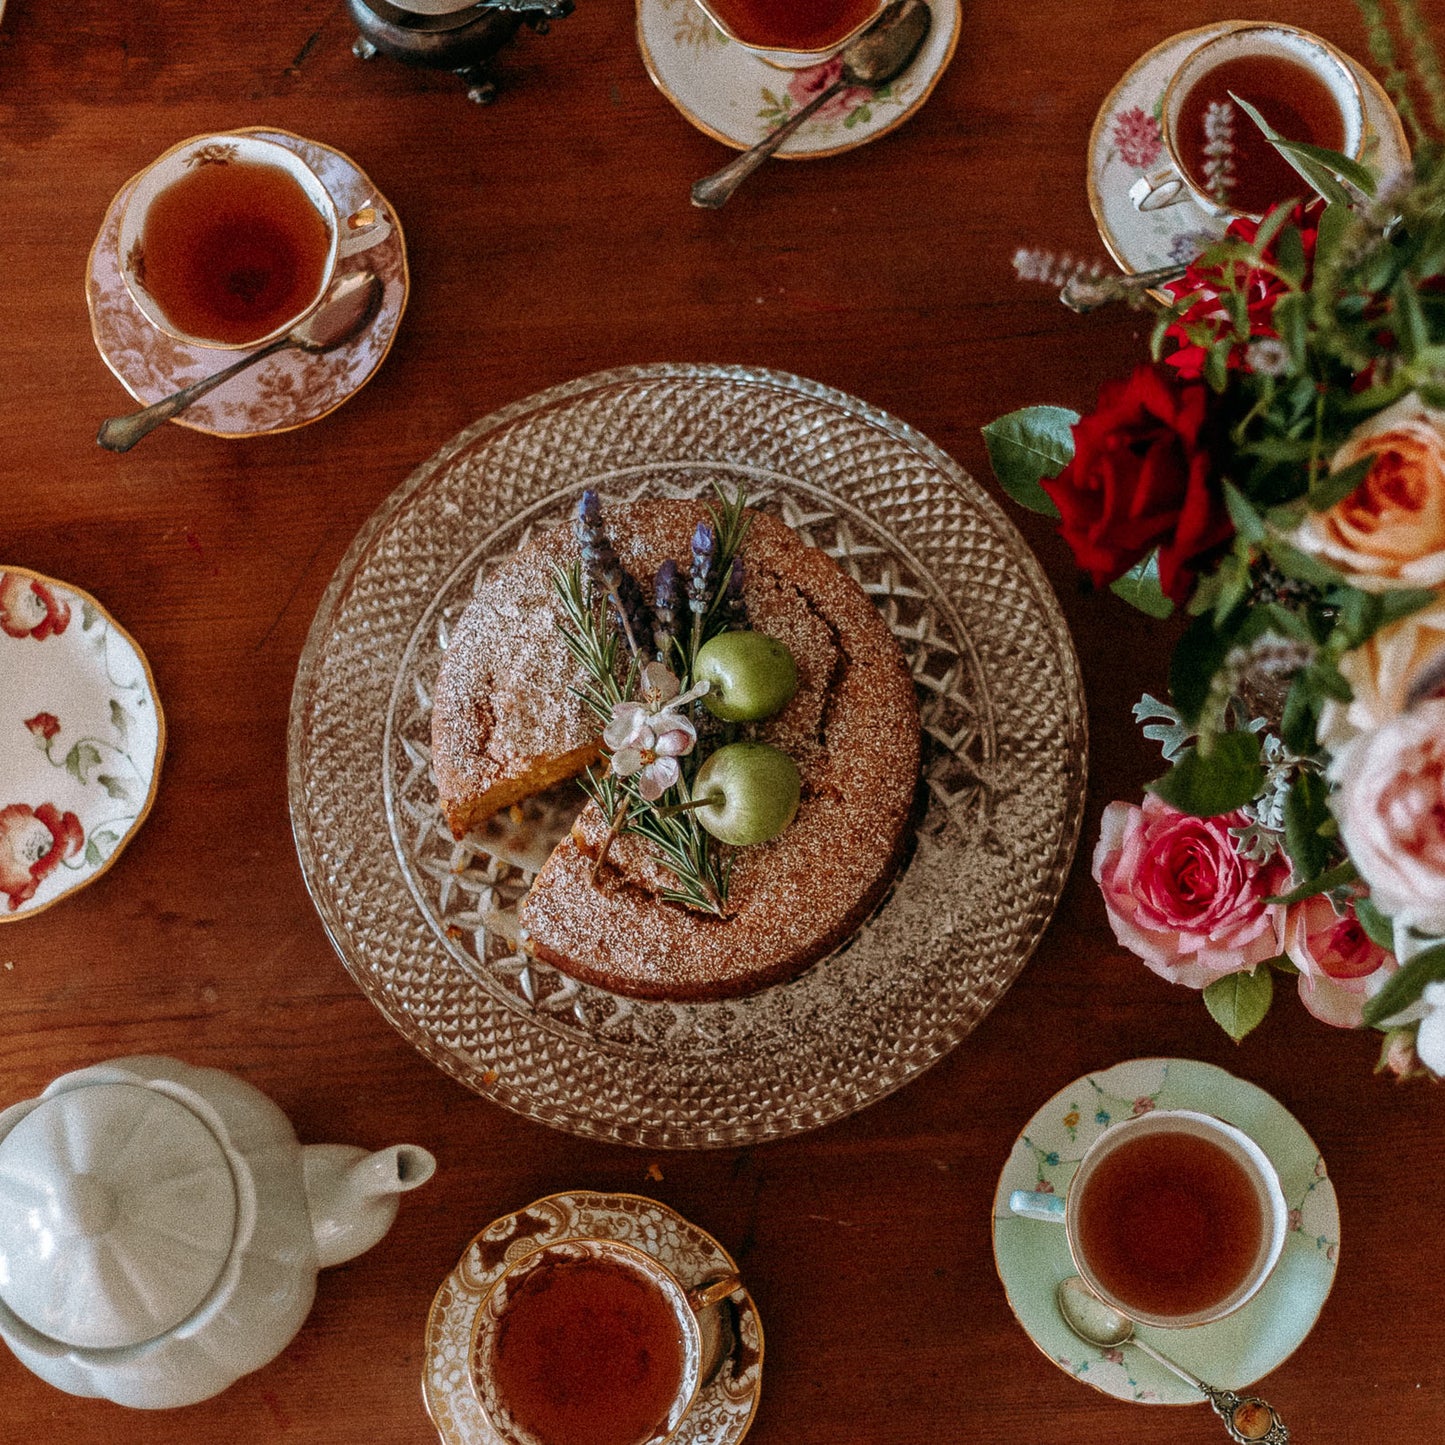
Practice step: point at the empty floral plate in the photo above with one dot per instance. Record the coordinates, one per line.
(1127, 143)
(81, 737)
(1032, 1256)
(730, 94)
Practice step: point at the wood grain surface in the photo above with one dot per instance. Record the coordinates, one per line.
(551, 236)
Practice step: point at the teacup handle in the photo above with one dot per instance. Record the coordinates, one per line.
(714, 1292)
(1035, 1204)
(1158, 189)
(364, 228)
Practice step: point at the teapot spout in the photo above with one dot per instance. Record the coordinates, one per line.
(352, 1194)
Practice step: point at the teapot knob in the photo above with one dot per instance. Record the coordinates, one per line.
(83, 1206)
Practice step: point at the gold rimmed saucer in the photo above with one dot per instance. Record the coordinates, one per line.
(738, 98)
(726, 1403)
(290, 389)
(81, 740)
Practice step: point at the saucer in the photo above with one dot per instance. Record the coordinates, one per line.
(1032, 1256)
(81, 738)
(730, 94)
(1126, 143)
(732, 1333)
(287, 390)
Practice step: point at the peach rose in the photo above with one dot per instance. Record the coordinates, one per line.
(1390, 802)
(1401, 665)
(1339, 965)
(1390, 531)
(1181, 897)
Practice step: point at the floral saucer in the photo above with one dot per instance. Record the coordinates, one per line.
(730, 94)
(81, 738)
(1032, 1256)
(732, 1333)
(1126, 143)
(289, 389)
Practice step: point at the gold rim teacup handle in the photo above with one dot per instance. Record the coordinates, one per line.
(714, 1292)
(1159, 189)
(364, 228)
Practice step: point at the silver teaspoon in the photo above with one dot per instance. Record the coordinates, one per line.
(882, 53)
(348, 308)
(1247, 1418)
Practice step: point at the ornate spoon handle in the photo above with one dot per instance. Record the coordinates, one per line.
(1248, 1419)
(712, 191)
(121, 433)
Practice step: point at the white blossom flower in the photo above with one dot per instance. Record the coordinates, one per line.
(647, 738)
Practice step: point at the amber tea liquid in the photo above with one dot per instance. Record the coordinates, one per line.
(234, 250)
(1170, 1223)
(588, 1352)
(793, 24)
(1290, 96)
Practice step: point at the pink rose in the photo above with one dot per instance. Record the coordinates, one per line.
(807, 85)
(1339, 966)
(1390, 802)
(1181, 897)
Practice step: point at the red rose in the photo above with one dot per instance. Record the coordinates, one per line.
(1261, 289)
(30, 609)
(1140, 478)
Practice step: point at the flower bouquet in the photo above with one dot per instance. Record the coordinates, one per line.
(1276, 473)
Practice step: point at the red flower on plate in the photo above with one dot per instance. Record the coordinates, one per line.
(28, 608)
(44, 725)
(1261, 287)
(33, 844)
(1137, 138)
(807, 85)
(1142, 477)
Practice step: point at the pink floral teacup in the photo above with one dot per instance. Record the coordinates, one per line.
(792, 34)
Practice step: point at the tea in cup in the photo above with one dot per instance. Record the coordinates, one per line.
(792, 34)
(590, 1342)
(1219, 157)
(1174, 1218)
(230, 240)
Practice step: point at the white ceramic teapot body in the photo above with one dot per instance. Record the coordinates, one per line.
(190, 1225)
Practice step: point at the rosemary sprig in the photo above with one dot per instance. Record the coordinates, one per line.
(593, 645)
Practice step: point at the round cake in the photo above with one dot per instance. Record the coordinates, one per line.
(506, 723)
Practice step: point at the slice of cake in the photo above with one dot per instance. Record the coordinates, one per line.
(507, 723)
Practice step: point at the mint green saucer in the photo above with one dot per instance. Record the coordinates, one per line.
(1032, 1256)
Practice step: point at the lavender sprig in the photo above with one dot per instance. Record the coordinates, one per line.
(699, 579)
(605, 572)
(734, 608)
(666, 604)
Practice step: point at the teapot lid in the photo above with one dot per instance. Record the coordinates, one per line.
(117, 1213)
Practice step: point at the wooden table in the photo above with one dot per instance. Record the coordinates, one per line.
(551, 236)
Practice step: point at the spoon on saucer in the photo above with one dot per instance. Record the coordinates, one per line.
(880, 54)
(1247, 1418)
(346, 310)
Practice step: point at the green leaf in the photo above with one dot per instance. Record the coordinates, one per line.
(1301, 566)
(1334, 487)
(89, 616)
(1337, 877)
(1301, 716)
(119, 718)
(1197, 657)
(1291, 319)
(1140, 588)
(1238, 1002)
(93, 855)
(1247, 522)
(1406, 986)
(1408, 323)
(1378, 926)
(1028, 445)
(81, 757)
(1204, 785)
(115, 787)
(1317, 173)
(1360, 177)
(1305, 812)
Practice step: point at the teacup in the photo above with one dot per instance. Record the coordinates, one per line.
(230, 240)
(590, 1333)
(1174, 1218)
(792, 34)
(1219, 158)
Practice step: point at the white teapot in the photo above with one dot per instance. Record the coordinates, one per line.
(161, 1228)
